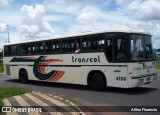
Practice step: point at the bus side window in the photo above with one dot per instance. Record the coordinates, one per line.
(109, 49)
(33, 48)
(93, 42)
(71, 45)
(39, 48)
(24, 49)
(89, 45)
(7, 50)
(42, 48)
(84, 44)
(101, 44)
(77, 46)
(14, 50)
(64, 46)
(48, 47)
(56, 46)
(36, 48)
(52, 46)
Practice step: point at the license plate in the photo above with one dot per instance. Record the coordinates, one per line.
(148, 79)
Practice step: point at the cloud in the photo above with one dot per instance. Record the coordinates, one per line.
(146, 10)
(3, 34)
(3, 27)
(141, 9)
(32, 13)
(54, 17)
(92, 18)
(124, 2)
(63, 6)
(87, 15)
(4, 3)
(28, 30)
(33, 24)
(70, 6)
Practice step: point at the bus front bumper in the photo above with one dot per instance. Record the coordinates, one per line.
(145, 79)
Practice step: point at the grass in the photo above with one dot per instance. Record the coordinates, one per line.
(158, 64)
(10, 91)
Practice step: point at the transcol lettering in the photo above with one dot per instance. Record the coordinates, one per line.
(85, 60)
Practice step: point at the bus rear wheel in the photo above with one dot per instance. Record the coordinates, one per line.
(97, 81)
(23, 76)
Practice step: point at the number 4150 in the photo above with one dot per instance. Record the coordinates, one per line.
(121, 78)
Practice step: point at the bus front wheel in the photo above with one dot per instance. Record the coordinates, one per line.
(97, 81)
(23, 76)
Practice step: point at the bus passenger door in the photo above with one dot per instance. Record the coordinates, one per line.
(115, 53)
(120, 71)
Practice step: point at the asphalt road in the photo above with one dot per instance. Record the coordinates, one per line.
(147, 95)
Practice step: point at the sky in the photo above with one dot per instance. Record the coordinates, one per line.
(36, 19)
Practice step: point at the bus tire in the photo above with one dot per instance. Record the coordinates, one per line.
(23, 76)
(97, 81)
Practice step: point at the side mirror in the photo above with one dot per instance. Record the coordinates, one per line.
(77, 51)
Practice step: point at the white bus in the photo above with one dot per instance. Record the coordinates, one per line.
(115, 58)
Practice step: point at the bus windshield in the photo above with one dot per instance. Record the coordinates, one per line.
(141, 48)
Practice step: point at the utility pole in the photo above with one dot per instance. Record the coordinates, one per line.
(8, 31)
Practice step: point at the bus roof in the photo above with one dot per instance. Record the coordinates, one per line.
(81, 34)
